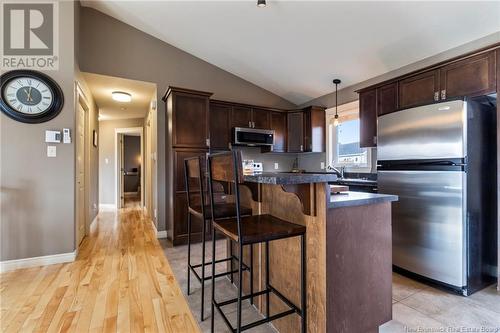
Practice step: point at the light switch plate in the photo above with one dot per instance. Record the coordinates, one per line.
(51, 151)
(276, 166)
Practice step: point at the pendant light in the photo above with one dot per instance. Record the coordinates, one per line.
(336, 118)
(261, 3)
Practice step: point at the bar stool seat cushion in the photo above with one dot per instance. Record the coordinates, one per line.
(259, 228)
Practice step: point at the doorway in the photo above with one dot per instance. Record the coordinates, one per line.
(129, 167)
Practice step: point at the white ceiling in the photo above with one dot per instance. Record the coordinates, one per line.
(295, 49)
(101, 87)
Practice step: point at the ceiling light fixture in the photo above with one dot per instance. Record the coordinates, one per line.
(121, 96)
(336, 82)
(261, 3)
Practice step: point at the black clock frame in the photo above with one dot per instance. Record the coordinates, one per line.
(54, 108)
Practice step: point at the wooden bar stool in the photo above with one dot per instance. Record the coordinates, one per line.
(195, 178)
(249, 230)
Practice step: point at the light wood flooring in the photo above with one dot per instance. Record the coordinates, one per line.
(120, 282)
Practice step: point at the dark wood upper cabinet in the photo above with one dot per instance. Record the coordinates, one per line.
(241, 116)
(387, 98)
(469, 77)
(188, 110)
(419, 89)
(220, 130)
(260, 118)
(295, 132)
(314, 129)
(278, 124)
(368, 118)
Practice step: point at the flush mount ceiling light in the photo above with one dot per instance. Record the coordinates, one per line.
(121, 96)
(336, 82)
(261, 3)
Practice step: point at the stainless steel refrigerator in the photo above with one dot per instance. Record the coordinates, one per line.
(440, 159)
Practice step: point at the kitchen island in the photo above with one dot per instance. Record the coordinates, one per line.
(349, 252)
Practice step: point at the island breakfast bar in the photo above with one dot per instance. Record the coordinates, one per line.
(348, 252)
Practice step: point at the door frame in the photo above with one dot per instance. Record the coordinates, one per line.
(124, 131)
(81, 100)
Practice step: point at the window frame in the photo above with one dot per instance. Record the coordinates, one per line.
(346, 112)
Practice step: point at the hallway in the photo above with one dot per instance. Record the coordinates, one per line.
(120, 282)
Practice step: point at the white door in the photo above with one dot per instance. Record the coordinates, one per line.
(121, 168)
(80, 173)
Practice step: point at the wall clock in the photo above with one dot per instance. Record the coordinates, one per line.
(29, 96)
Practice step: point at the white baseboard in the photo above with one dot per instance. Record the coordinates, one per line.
(10, 265)
(107, 206)
(159, 234)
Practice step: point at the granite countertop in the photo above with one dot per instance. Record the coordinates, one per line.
(289, 178)
(348, 199)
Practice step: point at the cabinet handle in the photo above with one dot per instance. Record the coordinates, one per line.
(253, 124)
(208, 142)
(374, 140)
(443, 94)
(301, 148)
(436, 96)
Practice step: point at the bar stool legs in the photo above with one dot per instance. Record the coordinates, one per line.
(212, 312)
(302, 311)
(189, 254)
(303, 270)
(203, 269)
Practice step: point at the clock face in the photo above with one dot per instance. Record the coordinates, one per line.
(28, 95)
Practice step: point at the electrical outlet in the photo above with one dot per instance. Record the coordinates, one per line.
(51, 151)
(322, 165)
(276, 166)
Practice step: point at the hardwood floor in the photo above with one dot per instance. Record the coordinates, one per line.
(120, 282)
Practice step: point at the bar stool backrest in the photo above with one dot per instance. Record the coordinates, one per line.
(226, 167)
(196, 181)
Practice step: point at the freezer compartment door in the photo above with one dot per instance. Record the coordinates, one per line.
(435, 131)
(428, 223)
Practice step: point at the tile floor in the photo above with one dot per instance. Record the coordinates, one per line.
(416, 307)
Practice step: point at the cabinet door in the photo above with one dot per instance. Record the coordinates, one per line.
(180, 217)
(260, 118)
(190, 121)
(368, 118)
(419, 89)
(469, 77)
(295, 137)
(220, 132)
(278, 124)
(314, 129)
(387, 98)
(241, 116)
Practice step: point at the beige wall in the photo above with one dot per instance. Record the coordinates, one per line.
(107, 175)
(37, 192)
(110, 47)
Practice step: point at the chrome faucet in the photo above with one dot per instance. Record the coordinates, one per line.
(340, 173)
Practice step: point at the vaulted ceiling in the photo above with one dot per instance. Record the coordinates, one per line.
(294, 49)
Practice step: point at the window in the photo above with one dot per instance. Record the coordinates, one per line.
(343, 140)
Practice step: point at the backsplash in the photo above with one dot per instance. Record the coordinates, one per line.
(284, 160)
(308, 161)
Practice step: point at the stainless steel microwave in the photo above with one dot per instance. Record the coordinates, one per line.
(252, 137)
